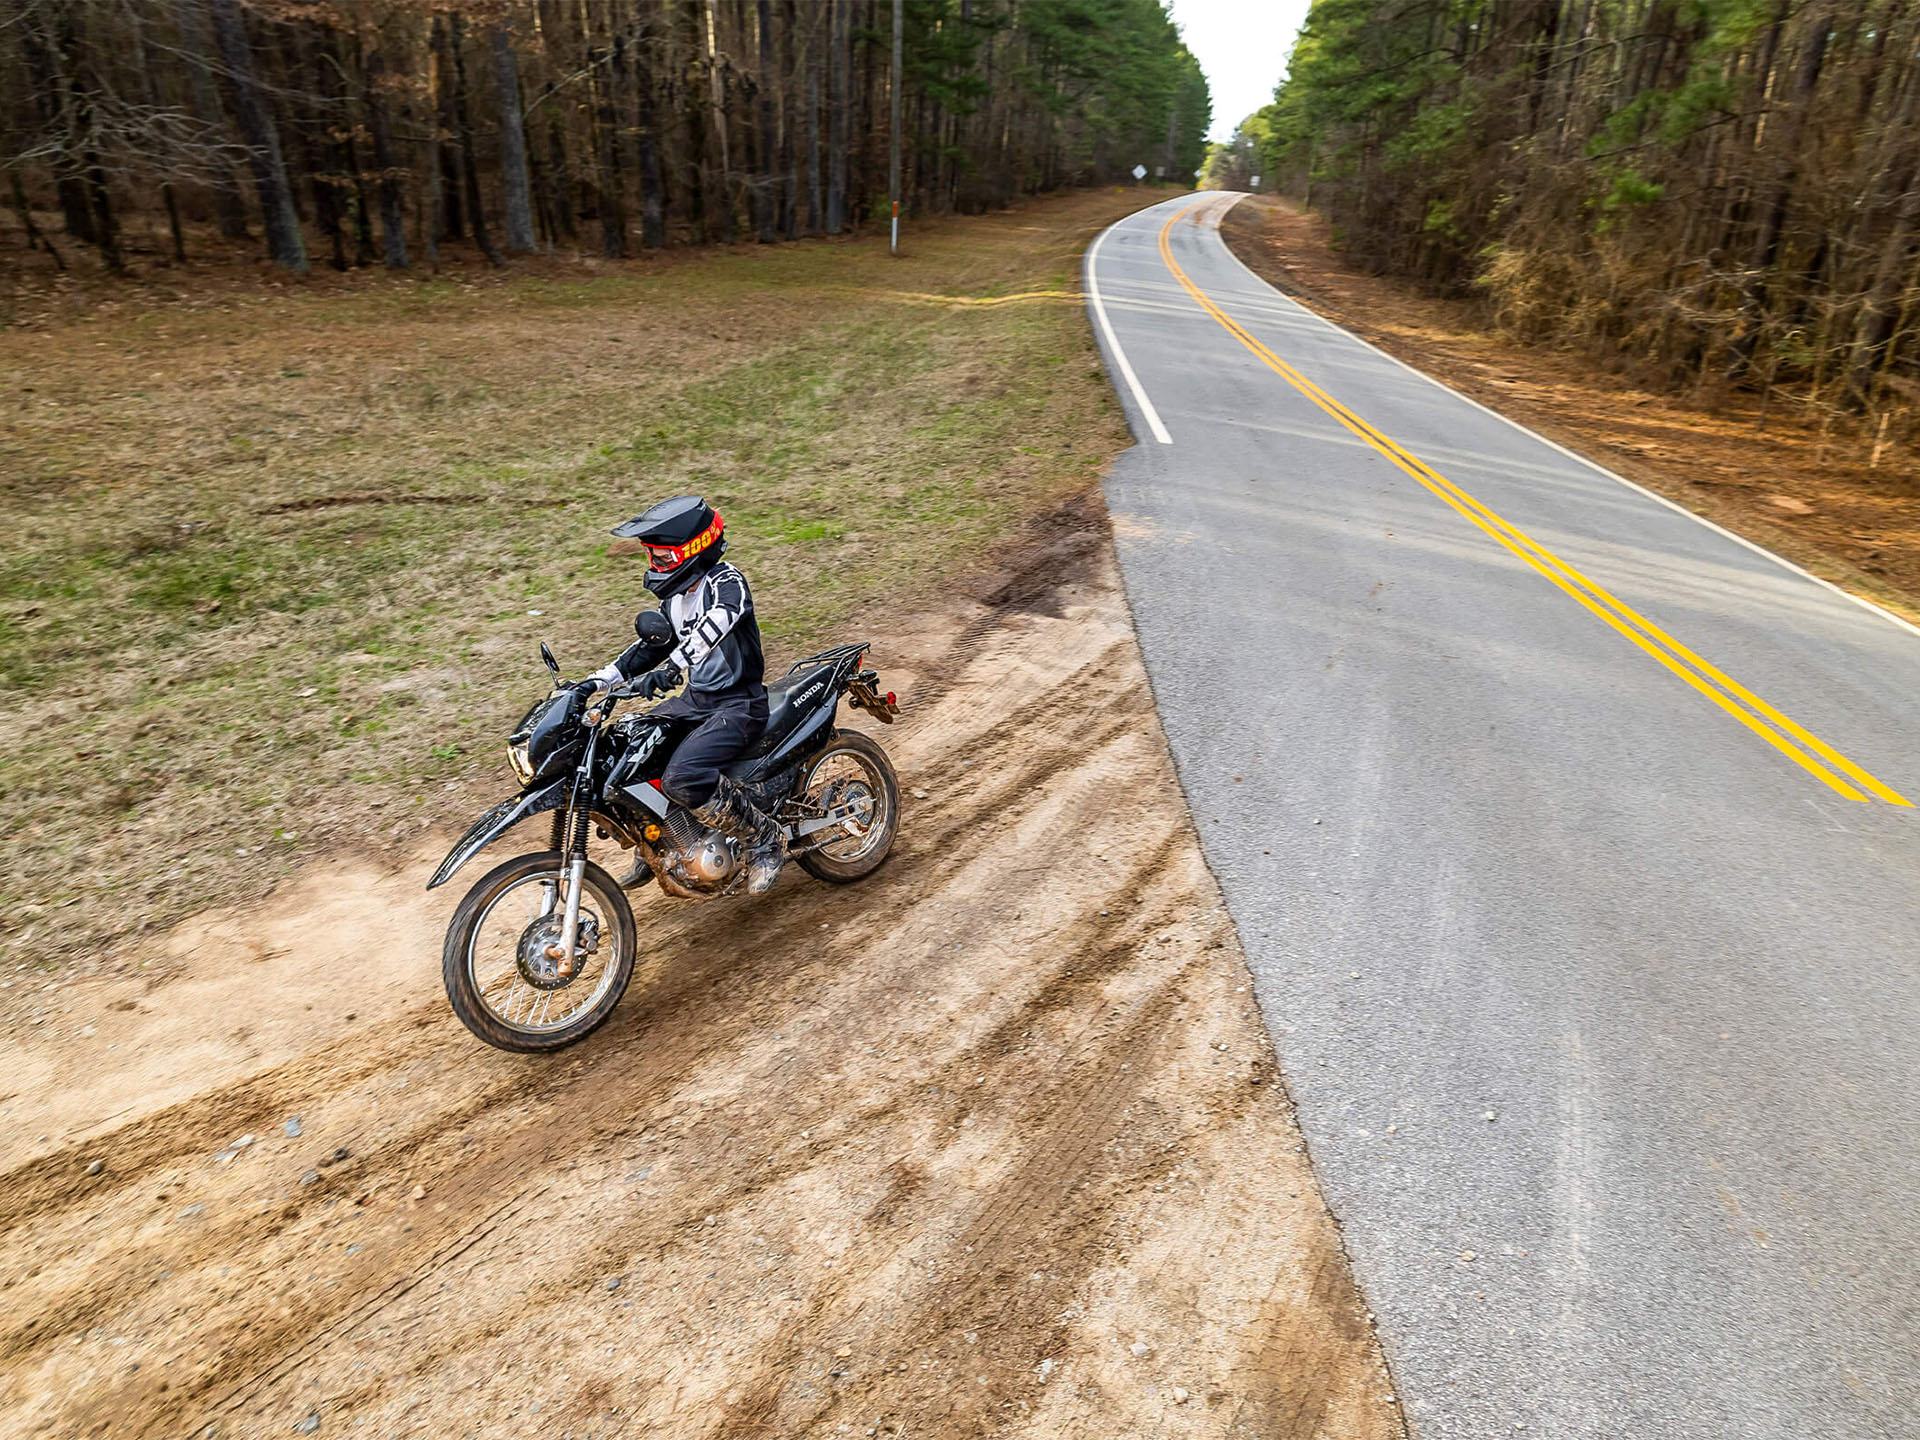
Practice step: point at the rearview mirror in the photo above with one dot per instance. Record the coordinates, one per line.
(546, 657)
(653, 628)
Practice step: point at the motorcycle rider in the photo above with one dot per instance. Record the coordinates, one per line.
(717, 655)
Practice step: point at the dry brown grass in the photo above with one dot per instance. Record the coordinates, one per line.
(275, 560)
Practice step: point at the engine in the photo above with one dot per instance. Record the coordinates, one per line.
(713, 861)
(705, 859)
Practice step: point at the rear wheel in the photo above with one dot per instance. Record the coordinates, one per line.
(853, 779)
(499, 979)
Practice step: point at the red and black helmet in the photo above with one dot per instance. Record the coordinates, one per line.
(684, 537)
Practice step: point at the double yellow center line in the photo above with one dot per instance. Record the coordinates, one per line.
(1790, 738)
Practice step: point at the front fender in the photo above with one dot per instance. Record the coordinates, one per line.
(490, 826)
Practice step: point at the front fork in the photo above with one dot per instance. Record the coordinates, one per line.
(570, 829)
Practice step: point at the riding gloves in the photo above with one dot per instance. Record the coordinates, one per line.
(656, 683)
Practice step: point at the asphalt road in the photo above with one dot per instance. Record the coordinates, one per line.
(1564, 834)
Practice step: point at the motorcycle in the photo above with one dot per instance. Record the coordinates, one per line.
(541, 948)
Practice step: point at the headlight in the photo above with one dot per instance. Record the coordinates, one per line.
(522, 766)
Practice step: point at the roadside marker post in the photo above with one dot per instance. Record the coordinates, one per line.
(893, 160)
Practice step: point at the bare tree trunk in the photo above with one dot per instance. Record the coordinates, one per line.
(870, 176)
(80, 143)
(46, 74)
(449, 213)
(816, 53)
(560, 182)
(611, 200)
(332, 174)
(350, 143)
(789, 160)
(717, 112)
(1881, 308)
(229, 209)
(284, 243)
(433, 203)
(839, 74)
(469, 168)
(151, 92)
(689, 48)
(515, 191)
(393, 218)
(653, 212)
(24, 210)
(1773, 213)
(769, 171)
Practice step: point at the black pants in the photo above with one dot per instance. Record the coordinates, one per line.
(729, 730)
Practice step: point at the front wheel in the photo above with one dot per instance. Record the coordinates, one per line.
(499, 980)
(853, 779)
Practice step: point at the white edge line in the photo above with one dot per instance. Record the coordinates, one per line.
(1593, 465)
(1113, 345)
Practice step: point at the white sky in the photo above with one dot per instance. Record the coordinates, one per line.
(1243, 46)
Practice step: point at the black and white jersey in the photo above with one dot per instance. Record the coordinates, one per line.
(718, 647)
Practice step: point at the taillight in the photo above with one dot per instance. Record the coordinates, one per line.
(890, 699)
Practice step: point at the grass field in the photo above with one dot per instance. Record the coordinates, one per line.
(274, 561)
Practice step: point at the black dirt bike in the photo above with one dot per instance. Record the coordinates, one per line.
(541, 948)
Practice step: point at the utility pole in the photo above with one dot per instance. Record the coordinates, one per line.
(893, 164)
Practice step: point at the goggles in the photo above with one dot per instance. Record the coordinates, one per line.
(665, 558)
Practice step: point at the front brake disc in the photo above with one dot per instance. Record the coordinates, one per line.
(536, 967)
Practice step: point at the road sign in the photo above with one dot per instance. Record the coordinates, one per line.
(1254, 184)
(1139, 172)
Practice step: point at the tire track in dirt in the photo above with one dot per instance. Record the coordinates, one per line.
(990, 1143)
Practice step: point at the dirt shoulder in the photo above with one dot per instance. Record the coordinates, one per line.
(1773, 478)
(992, 1143)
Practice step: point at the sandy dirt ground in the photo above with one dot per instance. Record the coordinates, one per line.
(993, 1143)
(1784, 481)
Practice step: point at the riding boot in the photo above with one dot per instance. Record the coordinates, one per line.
(733, 814)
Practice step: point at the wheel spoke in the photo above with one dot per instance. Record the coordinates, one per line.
(845, 788)
(494, 946)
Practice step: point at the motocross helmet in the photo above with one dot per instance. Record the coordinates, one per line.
(684, 539)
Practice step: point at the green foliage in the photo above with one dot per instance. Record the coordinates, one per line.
(1707, 188)
(1630, 191)
(1441, 220)
(1121, 62)
(1445, 123)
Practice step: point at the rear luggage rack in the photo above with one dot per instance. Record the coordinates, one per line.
(829, 657)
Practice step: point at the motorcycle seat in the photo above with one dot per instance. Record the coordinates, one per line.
(786, 709)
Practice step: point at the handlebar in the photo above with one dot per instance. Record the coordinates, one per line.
(602, 707)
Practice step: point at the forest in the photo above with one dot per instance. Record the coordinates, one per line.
(381, 132)
(1713, 194)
